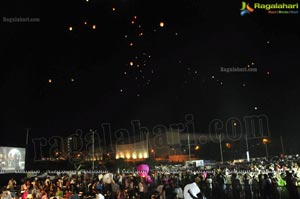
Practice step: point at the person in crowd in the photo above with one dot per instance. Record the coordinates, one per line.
(143, 188)
(291, 186)
(209, 186)
(6, 194)
(39, 193)
(236, 186)
(220, 186)
(247, 186)
(59, 192)
(44, 195)
(255, 187)
(73, 195)
(192, 190)
(169, 189)
(122, 193)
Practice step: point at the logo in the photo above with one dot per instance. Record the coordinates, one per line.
(246, 9)
(270, 8)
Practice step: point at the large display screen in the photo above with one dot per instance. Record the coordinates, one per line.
(12, 159)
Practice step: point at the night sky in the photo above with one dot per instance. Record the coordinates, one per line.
(91, 62)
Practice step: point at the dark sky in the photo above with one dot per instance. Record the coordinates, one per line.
(175, 68)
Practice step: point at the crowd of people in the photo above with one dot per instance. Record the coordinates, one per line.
(255, 181)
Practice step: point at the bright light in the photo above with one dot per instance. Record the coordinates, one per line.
(131, 63)
(140, 155)
(197, 147)
(94, 27)
(228, 145)
(134, 155)
(70, 28)
(161, 24)
(50, 80)
(265, 140)
(145, 155)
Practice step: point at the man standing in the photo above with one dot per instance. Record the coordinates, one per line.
(192, 190)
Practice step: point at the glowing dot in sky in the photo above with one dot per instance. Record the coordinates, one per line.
(87, 0)
(244, 85)
(131, 63)
(255, 108)
(268, 73)
(234, 124)
(113, 9)
(131, 44)
(70, 28)
(213, 77)
(252, 63)
(268, 42)
(85, 23)
(141, 34)
(94, 27)
(138, 95)
(135, 17)
(132, 22)
(121, 90)
(161, 24)
(72, 79)
(125, 73)
(49, 80)
(221, 83)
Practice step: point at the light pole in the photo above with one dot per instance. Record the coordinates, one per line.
(247, 149)
(93, 149)
(189, 145)
(282, 147)
(221, 150)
